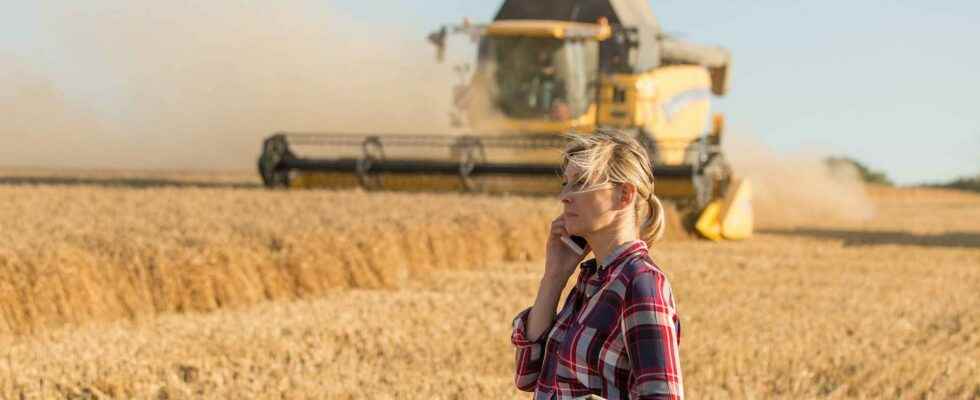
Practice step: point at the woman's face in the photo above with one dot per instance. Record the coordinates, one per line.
(586, 209)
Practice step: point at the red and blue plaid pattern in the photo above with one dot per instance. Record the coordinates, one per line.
(617, 336)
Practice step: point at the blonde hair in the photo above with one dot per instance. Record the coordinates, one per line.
(611, 156)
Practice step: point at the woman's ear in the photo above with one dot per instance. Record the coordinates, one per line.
(627, 194)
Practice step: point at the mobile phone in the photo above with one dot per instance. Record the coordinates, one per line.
(576, 243)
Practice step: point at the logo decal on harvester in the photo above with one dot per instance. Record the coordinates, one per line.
(683, 99)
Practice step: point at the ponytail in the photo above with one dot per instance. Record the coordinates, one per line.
(653, 228)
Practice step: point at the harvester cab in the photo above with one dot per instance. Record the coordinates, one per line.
(544, 68)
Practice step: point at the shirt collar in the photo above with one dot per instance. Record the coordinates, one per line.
(619, 251)
(616, 254)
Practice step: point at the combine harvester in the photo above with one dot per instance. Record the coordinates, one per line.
(547, 67)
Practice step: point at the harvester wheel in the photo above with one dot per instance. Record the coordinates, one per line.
(274, 150)
(711, 179)
(373, 152)
(471, 152)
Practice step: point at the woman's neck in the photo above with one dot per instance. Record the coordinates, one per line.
(604, 243)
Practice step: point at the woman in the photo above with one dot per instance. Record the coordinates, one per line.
(617, 334)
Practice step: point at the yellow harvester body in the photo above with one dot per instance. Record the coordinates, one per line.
(537, 79)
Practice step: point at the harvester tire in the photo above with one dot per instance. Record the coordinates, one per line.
(471, 152)
(275, 149)
(711, 179)
(372, 153)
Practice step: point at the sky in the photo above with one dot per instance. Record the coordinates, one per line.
(890, 83)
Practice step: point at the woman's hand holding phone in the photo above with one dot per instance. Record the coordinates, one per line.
(561, 259)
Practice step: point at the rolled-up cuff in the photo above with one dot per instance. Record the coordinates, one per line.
(519, 336)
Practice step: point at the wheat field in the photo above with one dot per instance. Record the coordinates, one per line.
(118, 286)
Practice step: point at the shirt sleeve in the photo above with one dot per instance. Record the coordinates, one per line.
(651, 335)
(529, 353)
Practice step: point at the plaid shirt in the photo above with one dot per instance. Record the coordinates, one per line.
(617, 335)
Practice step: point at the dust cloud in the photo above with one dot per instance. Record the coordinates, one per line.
(181, 85)
(798, 188)
(38, 124)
